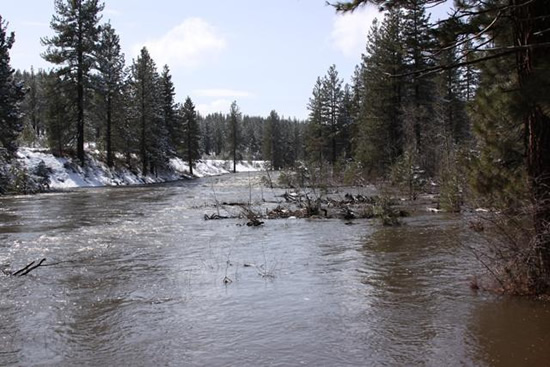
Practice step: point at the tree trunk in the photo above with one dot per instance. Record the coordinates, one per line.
(189, 150)
(143, 142)
(80, 91)
(110, 162)
(530, 62)
(80, 117)
(235, 150)
(538, 158)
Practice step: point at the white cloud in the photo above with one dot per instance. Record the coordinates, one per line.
(218, 105)
(188, 45)
(222, 93)
(349, 31)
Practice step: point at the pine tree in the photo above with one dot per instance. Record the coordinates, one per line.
(219, 121)
(127, 134)
(33, 107)
(11, 94)
(74, 46)
(358, 90)
(454, 93)
(380, 127)
(274, 148)
(331, 109)
(326, 130)
(419, 89)
(59, 112)
(191, 133)
(252, 138)
(316, 138)
(290, 142)
(498, 168)
(234, 133)
(147, 106)
(345, 124)
(169, 111)
(110, 81)
(298, 145)
(207, 134)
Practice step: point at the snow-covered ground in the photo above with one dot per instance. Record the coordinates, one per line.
(66, 174)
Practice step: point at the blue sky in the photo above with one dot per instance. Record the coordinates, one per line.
(264, 54)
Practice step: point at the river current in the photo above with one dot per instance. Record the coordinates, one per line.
(135, 276)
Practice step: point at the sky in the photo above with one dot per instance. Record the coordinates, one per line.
(266, 55)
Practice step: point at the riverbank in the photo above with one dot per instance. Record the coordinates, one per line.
(37, 170)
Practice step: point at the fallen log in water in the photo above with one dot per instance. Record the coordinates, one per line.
(215, 217)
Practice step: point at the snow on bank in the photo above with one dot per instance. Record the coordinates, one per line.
(66, 174)
(215, 167)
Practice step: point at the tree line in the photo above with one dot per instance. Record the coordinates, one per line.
(465, 100)
(91, 97)
(390, 120)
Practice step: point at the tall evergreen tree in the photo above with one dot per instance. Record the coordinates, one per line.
(147, 107)
(11, 94)
(59, 112)
(252, 138)
(380, 122)
(316, 137)
(419, 89)
(234, 133)
(454, 93)
(207, 134)
(345, 124)
(325, 124)
(219, 121)
(33, 106)
(331, 110)
(127, 134)
(169, 110)
(110, 81)
(498, 169)
(76, 24)
(191, 133)
(274, 149)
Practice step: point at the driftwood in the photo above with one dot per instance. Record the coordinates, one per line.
(299, 205)
(254, 222)
(26, 270)
(233, 204)
(215, 216)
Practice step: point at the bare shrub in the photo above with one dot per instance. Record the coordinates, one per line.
(510, 253)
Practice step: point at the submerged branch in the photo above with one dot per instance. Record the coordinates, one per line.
(28, 268)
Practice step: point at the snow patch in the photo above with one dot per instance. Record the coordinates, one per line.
(66, 174)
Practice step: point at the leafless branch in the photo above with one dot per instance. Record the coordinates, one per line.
(27, 269)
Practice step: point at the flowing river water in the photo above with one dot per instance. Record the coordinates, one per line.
(136, 278)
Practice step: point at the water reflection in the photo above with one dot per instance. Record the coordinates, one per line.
(416, 294)
(513, 332)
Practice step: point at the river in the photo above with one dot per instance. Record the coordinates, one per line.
(136, 278)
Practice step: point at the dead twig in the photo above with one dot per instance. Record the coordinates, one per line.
(27, 269)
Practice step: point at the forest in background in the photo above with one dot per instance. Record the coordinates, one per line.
(459, 104)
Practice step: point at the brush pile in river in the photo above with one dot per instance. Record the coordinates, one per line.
(298, 205)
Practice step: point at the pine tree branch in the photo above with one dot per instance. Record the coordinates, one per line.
(503, 51)
(473, 37)
(540, 33)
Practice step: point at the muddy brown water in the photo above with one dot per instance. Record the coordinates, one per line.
(136, 278)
